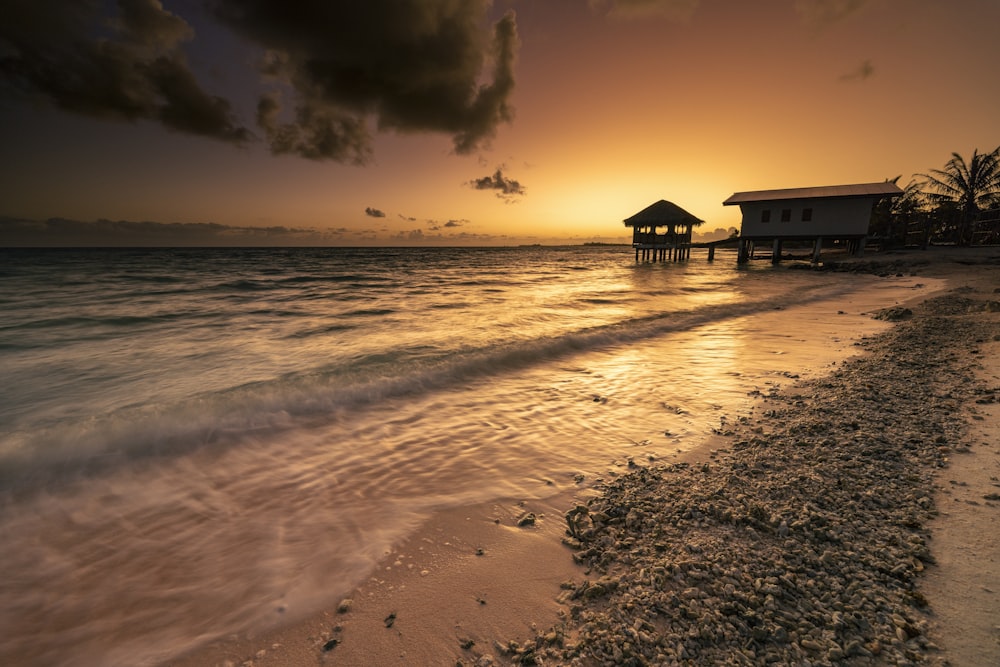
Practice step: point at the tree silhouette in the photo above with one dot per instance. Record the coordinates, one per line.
(967, 187)
(892, 217)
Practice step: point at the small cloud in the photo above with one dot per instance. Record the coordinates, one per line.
(408, 218)
(435, 225)
(819, 13)
(374, 212)
(862, 72)
(507, 188)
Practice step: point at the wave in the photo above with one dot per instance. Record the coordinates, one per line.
(368, 312)
(245, 286)
(321, 331)
(357, 279)
(156, 278)
(91, 322)
(260, 410)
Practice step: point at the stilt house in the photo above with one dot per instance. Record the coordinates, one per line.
(674, 243)
(833, 212)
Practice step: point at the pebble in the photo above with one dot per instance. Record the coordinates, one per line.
(803, 543)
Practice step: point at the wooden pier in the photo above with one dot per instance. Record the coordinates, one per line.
(712, 245)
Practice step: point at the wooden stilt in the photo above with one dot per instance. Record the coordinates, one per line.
(817, 249)
(776, 252)
(743, 254)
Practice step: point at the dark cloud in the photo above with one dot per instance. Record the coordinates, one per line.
(374, 212)
(507, 188)
(317, 133)
(455, 223)
(129, 67)
(335, 71)
(406, 65)
(862, 72)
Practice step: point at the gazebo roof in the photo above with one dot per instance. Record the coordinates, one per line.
(662, 213)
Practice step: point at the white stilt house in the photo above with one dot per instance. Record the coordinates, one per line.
(832, 212)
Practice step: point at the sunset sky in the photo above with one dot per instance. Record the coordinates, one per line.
(396, 122)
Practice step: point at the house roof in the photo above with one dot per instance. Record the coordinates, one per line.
(662, 213)
(883, 189)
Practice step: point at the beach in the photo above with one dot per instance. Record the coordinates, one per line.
(202, 444)
(845, 518)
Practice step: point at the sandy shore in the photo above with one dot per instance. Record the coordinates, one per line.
(848, 520)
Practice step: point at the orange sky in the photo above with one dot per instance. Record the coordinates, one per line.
(616, 105)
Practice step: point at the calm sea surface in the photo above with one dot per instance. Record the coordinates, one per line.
(195, 443)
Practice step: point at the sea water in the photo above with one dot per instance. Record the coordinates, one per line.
(196, 443)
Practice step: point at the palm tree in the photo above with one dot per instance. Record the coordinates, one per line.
(892, 217)
(968, 187)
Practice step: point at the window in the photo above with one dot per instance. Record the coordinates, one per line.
(807, 214)
(786, 214)
(765, 215)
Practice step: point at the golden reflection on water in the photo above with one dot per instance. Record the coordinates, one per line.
(677, 384)
(711, 355)
(696, 284)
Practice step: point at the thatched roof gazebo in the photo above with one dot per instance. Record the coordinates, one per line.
(674, 243)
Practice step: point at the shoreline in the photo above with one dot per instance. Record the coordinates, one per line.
(806, 540)
(474, 588)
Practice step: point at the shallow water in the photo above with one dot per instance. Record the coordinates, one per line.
(205, 442)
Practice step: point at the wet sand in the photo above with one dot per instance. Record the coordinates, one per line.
(848, 520)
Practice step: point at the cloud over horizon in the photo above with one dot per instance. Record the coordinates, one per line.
(62, 232)
(105, 233)
(334, 73)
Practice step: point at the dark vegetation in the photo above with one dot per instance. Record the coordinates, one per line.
(956, 205)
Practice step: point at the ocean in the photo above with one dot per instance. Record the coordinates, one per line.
(196, 443)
